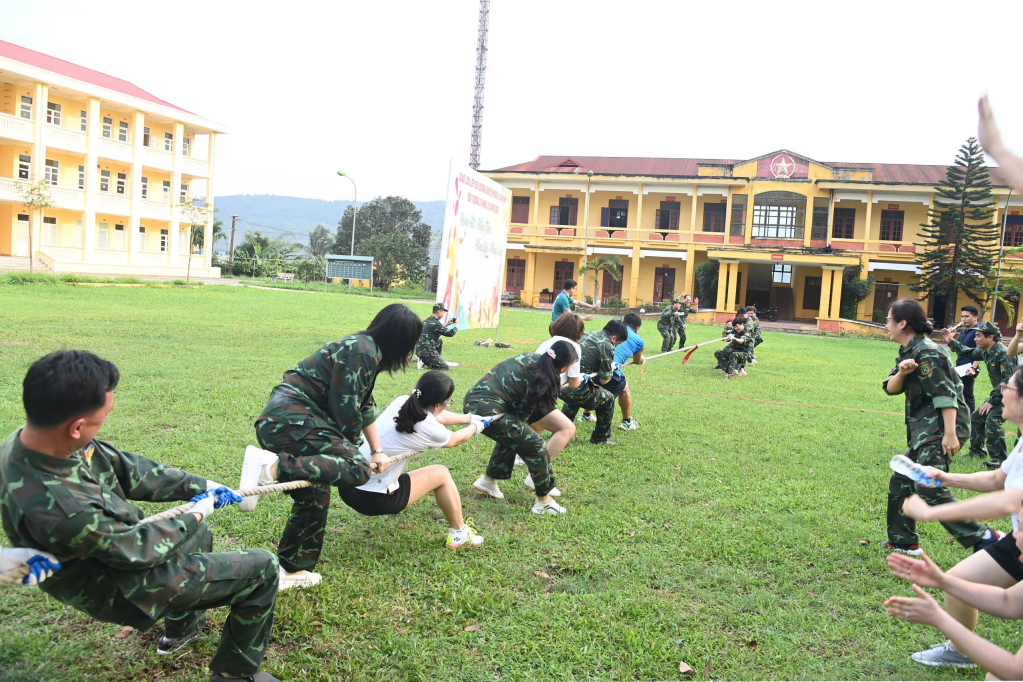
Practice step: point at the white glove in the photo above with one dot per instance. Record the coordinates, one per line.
(203, 504)
(615, 366)
(41, 564)
(213, 485)
(480, 422)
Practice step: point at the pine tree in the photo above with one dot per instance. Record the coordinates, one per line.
(960, 243)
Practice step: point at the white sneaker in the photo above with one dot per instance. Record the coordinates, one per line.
(519, 461)
(528, 482)
(451, 364)
(466, 537)
(488, 487)
(551, 507)
(255, 472)
(419, 364)
(298, 579)
(583, 417)
(942, 655)
(628, 425)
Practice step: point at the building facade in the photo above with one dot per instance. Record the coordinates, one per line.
(116, 160)
(782, 227)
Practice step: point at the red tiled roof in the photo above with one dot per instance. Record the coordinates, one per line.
(63, 68)
(896, 173)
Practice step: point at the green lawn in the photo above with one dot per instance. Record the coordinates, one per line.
(725, 532)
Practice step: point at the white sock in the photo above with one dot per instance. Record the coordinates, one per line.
(461, 532)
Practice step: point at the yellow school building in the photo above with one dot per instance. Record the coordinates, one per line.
(115, 160)
(782, 226)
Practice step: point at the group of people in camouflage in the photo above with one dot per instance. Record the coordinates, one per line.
(672, 322)
(742, 335)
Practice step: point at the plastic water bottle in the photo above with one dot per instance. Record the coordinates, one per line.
(901, 464)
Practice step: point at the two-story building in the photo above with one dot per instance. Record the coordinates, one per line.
(782, 227)
(117, 162)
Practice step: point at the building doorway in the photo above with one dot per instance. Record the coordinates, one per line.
(21, 236)
(666, 217)
(664, 284)
(516, 277)
(610, 287)
(936, 309)
(562, 270)
(884, 295)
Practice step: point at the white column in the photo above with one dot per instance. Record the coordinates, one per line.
(91, 179)
(173, 247)
(39, 159)
(207, 241)
(139, 125)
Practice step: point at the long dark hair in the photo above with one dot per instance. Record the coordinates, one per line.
(395, 329)
(568, 325)
(544, 378)
(432, 389)
(910, 311)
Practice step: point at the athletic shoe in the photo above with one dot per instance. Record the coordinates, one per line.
(519, 461)
(943, 654)
(419, 364)
(606, 441)
(488, 487)
(528, 482)
(742, 373)
(587, 417)
(551, 507)
(298, 579)
(911, 550)
(451, 364)
(628, 425)
(727, 376)
(994, 464)
(166, 646)
(466, 537)
(996, 535)
(260, 676)
(255, 472)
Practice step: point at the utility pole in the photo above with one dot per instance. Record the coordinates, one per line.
(481, 72)
(230, 264)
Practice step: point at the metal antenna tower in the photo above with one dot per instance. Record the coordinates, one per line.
(481, 72)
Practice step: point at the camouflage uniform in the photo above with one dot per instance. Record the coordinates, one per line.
(685, 311)
(668, 326)
(989, 429)
(314, 421)
(120, 571)
(933, 386)
(430, 345)
(597, 355)
(732, 358)
(502, 390)
(753, 329)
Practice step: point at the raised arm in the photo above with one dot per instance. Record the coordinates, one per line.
(1013, 348)
(991, 140)
(981, 508)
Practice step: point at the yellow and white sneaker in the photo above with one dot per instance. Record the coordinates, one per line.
(464, 537)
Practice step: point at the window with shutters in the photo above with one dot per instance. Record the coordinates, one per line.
(118, 240)
(85, 119)
(122, 131)
(520, 210)
(616, 214)
(142, 237)
(186, 146)
(168, 142)
(184, 191)
(24, 165)
(738, 227)
(819, 226)
(81, 177)
(102, 235)
(53, 113)
(145, 187)
(891, 225)
(166, 190)
(666, 217)
(610, 286)
(104, 181)
(145, 138)
(714, 217)
(566, 212)
(844, 223)
(26, 106)
(812, 293)
(52, 171)
(108, 124)
(516, 277)
(164, 236)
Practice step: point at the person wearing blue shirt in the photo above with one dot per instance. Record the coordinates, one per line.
(565, 301)
(632, 347)
(969, 316)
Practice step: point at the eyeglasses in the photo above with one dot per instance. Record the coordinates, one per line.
(1002, 388)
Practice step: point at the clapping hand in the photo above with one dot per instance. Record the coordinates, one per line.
(922, 571)
(923, 610)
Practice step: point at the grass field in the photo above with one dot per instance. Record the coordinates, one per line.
(727, 532)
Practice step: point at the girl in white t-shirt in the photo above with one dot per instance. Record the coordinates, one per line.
(990, 580)
(416, 423)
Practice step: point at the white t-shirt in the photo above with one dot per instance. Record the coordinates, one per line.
(429, 434)
(575, 370)
(1013, 468)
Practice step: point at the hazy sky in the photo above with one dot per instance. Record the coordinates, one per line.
(383, 90)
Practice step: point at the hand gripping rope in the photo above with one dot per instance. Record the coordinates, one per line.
(16, 574)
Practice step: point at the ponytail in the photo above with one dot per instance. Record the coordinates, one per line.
(544, 377)
(433, 388)
(910, 311)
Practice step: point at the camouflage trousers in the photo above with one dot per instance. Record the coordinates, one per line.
(590, 396)
(668, 339)
(309, 453)
(682, 338)
(901, 528)
(513, 436)
(988, 432)
(731, 361)
(432, 360)
(245, 580)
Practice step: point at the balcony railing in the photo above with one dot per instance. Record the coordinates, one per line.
(117, 151)
(63, 253)
(118, 205)
(156, 210)
(196, 167)
(159, 258)
(155, 158)
(16, 128)
(64, 197)
(69, 140)
(111, 256)
(9, 189)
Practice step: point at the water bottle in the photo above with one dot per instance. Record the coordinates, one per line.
(901, 464)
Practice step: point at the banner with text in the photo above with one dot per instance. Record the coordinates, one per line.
(471, 270)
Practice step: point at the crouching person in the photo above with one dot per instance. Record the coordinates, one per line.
(66, 493)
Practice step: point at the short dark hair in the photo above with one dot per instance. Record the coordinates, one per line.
(617, 329)
(633, 320)
(739, 320)
(751, 307)
(65, 385)
(395, 330)
(740, 311)
(971, 309)
(569, 325)
(569, 284)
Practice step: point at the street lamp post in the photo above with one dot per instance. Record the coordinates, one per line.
(355, 213)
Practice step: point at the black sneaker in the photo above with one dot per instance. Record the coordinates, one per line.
(258, 677)
(606, 441)
(994, 463)
(166, 646)
(996, 535)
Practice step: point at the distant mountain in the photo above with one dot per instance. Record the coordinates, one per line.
(274, 215)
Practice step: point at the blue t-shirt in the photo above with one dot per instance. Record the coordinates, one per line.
(626, 349)
(969, 339)
(562, 303)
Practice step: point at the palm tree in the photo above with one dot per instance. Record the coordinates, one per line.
(610, 264)
(321, 241)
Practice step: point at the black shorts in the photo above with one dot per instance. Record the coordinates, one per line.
(378, 504)
(1006, 554)
(616, 385)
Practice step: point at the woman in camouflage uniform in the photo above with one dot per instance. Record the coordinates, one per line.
(524, 389)
(315, 420)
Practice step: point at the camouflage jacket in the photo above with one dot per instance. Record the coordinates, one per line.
(333, 387)
(684, 312)
(597, 354)
(1000, 366)
(753, 327)
(670, 320)
(932, 387)
(742, 343)
(503, 389)
(429, 340)
(78, 509)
